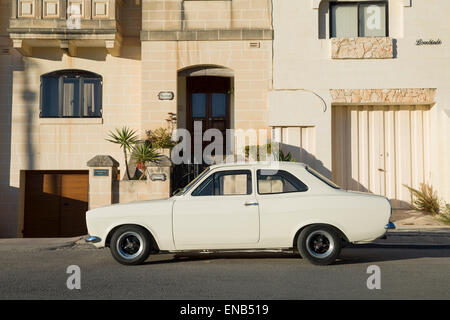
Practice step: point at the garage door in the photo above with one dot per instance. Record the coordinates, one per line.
(380, 149)
(55, 203)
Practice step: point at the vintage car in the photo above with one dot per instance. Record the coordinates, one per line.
(242, 207)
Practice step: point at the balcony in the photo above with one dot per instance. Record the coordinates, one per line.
(65, 24)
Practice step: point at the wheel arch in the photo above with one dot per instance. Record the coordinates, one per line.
(342, 235)
(154, 243)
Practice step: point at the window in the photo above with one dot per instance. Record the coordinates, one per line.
(226, 183)
(71, 94)
(278, 181)
(358, 19)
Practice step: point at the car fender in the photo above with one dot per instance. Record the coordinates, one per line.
(330, 222)
(122, 222)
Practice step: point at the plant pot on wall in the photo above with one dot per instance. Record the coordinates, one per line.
(140, 165)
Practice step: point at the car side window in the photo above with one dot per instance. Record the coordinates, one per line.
(225, 183)
(278, 181)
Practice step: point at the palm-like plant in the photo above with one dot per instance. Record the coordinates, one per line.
(143, 153)
(286, 157)
(425, 199)
(125, 138)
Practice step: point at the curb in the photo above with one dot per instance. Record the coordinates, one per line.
(399, 246)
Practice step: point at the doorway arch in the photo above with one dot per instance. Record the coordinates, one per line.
(205, 94)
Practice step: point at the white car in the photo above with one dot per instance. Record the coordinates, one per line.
(250, 206)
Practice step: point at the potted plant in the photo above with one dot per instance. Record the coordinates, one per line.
(161, 139)
(144, 153)
(125, 138)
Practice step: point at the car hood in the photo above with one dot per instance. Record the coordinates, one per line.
(136, 208)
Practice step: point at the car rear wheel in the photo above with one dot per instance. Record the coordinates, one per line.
(130, 245)
(319, 244)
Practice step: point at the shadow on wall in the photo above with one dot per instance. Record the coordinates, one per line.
(14, 62)
(318, 165)
(29, 98)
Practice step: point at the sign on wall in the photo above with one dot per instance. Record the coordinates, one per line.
(166, 95)
(101, 172)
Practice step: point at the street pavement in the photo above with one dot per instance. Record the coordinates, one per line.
(412, 265)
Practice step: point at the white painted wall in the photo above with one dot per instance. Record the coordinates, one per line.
(303, 61)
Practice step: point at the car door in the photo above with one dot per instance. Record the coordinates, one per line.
(283, 202)
(220, 213)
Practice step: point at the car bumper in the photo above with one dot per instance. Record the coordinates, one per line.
(93, 239)
(390, 226)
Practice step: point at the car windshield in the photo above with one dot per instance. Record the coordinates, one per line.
(323, 178)
(182, 191)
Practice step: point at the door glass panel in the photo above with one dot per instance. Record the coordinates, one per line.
(198, 105)
(219, 104)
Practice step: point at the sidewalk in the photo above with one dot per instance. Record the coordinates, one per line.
(407, 219)
(37, 244)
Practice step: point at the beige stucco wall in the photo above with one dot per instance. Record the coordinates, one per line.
(302, 60)
(161, 61)
(131, 83)
(51, 144)
(218, 14)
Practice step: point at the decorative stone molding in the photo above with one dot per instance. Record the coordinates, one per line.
(102, 161)
(383, 96)
(72, 23)
(362, 48)
(208, 35)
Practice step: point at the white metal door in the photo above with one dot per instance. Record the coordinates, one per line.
(380, 149)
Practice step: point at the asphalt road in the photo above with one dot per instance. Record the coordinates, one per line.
(406, 273)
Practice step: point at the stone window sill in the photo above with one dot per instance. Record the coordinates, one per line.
(70, 121)
(362, 48)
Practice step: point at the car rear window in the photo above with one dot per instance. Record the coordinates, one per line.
(322, 178)
(278, 181)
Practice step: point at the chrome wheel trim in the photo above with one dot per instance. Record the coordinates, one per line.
(129, 245)
(320, 244)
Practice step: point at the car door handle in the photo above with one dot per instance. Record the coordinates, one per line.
(249, 203)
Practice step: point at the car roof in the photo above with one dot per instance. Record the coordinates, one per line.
(259, 164)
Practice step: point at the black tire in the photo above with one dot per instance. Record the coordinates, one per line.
(319, 244)
(130, 245)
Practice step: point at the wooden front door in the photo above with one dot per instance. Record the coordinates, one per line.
(55, 203)
(209, 105)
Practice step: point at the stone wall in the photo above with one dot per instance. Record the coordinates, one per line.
(362, 48)
(205, 15)
(387, 96)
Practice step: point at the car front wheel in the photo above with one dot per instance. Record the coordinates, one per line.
(320, 245)
(130, 245)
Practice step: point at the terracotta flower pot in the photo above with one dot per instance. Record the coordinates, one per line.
(139, 165)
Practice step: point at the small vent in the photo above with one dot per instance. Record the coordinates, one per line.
(255, 44)
(5, 51)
